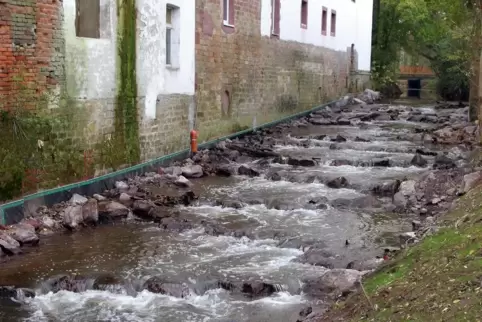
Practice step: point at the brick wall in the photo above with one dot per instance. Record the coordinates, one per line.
(265, 78)
(31, 47)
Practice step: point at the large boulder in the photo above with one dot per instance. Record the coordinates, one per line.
(24, 234)
(73, 217)
(9, 245)
(470, 181)
(245, 170)
(335, 281)
(112, 210)
(387, 188)
(90, 212)
(443, 162)
(319, 257)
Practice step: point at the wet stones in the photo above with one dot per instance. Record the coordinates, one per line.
(24, 234)
(470, 181)
(321, 121)
(9, 245)
(443, 162)
(112, 210)
(245, 170)
(387, 188)
(337, 183)
(73, 217)
(301, 162)
(419, 161)
(338, 139)
(160, 285)
(9, 293)
(148, 211)
(318, 257)
(192, 171)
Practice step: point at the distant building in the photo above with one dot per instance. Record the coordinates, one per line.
(416, 79)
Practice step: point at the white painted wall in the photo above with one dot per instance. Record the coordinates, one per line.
(154, 78)
(354, 25)
(91, 63)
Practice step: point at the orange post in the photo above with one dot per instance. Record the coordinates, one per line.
(193, 141)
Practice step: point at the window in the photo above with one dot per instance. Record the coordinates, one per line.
(324, 21)
(275, 17)
(304, 14)
(172, 36)
(333, 23)
(168, 35)
(228, 12)
(87, 18)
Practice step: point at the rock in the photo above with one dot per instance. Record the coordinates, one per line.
(400, 201)
(174, 224)
(244, 170)
(340, 182)
(280, 159)
(182, 181)
(192, 171)
(320, 121)
(338, 138)
(381, 162)
(387, 188)
(226, 170)
(366, 265)
(359, 139)
(419, 161)
(301, 162)
(73, 217)
(99, 197)
(174, 171)
(406, 238)
(160, 285)
(142, 208)
(443, 162)
(9, 245)
(229, 204)
(250, 289)
(274, 177)
(112, 210)
(78, 200)
(340, 281)
(125, 199)
(18, 294)
(470, 181)
(90, 212)
(341, 162)
(416, 225)
(435, 201)
(343, 121)
(121, 185)
(318, 257)
(407, 188)
(24, 234)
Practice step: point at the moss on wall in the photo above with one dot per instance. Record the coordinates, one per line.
(126, 122)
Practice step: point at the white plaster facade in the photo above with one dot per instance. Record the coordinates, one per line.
(91, 62)
(353, 25)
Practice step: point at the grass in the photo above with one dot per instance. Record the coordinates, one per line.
(439, 279)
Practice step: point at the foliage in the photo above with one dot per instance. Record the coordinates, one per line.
(441, 31)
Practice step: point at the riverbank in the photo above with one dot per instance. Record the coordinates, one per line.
(258, 228)
(439, 279)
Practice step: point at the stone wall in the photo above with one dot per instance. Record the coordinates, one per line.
(257, 77)
(31, 49)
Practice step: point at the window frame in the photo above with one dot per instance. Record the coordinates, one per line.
(324, 21)
(333, 23)
(304, 14)
(169, 28)
(79, 31)
(228, 13)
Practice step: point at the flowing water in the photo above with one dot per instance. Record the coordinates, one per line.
(139, 250)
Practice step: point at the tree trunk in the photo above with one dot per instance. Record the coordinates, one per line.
(474, 111)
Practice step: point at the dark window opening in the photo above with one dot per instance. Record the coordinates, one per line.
(304, 14)
(333, 23)
(324, 21)
(414, 87)
(226, 103)
(87, 18)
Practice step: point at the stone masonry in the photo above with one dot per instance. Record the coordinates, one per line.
(241, 75)
(31, 48)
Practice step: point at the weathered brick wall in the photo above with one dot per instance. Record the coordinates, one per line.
(31, 48)
(264, 77)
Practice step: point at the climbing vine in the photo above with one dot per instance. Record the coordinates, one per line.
(126, 121)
